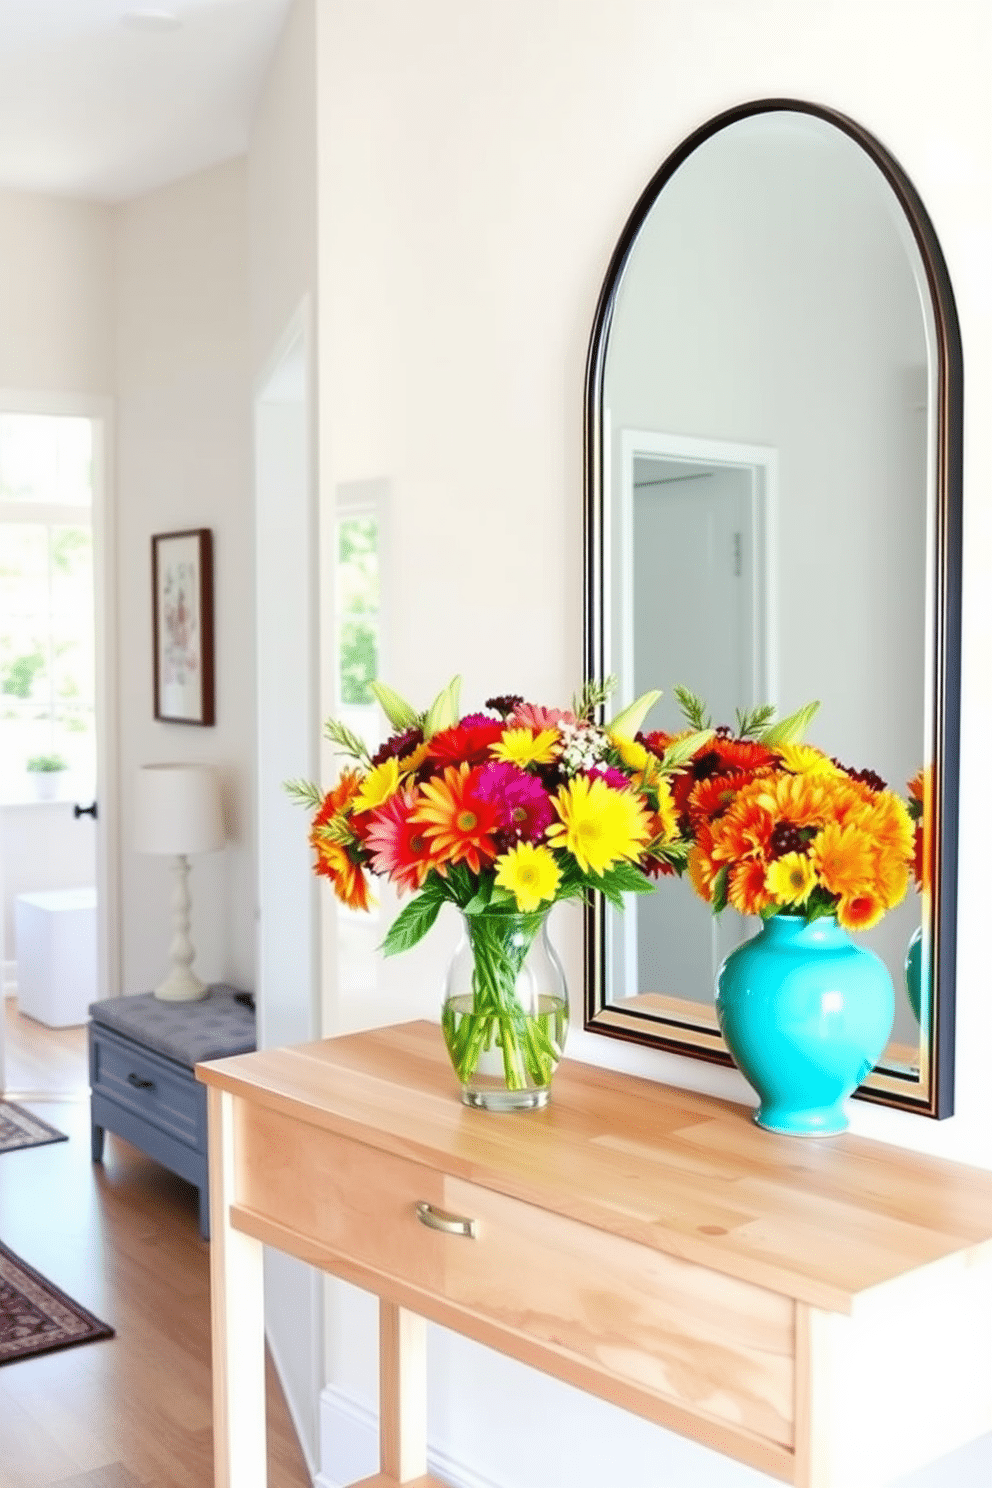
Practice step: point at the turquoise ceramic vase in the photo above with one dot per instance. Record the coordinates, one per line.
(914, 971)
(805, 1014)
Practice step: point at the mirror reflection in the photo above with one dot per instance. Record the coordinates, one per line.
(766, 513)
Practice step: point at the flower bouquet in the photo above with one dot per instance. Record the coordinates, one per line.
(502, 813)
(778, 827)
(816, 849)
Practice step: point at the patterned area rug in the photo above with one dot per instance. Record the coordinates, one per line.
(37, 1318)
(18, 1128)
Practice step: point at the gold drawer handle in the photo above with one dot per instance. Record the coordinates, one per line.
(448, 1224)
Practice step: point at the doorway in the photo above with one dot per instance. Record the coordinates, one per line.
(56, 723)
(288, 746)
(703, 508)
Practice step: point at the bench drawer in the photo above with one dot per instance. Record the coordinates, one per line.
(164, 1094)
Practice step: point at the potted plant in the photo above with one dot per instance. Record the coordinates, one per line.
(46, 771)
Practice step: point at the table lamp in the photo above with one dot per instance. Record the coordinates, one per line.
(178, 812)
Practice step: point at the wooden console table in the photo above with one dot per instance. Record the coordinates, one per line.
(819, 1309)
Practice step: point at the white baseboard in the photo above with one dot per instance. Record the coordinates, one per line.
(301, 1436)
(349, 1447)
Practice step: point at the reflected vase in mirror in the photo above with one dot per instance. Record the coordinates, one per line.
(806, 1014)
(505, 1011)
(773, 511)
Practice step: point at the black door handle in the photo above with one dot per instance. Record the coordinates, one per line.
(139, 1083)
(89, 810)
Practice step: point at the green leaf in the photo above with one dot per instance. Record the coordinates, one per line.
(592, 695)
(693, 708)
(443, 711)
(626, 724)
(396, 709)
(720, 890)
(481, 899)
(346, 741)
(412, 923)
(681, 751)
(753, 720)
(789, 730)
(304, 793)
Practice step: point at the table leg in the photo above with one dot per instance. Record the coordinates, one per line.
(402, 1393)
(237, 1316)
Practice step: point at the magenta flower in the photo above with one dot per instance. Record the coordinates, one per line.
(525, 811)
(616, 779)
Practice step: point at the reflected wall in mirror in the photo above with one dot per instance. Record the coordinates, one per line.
(773, 514)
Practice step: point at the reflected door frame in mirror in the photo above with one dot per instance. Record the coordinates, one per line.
(931, 1091)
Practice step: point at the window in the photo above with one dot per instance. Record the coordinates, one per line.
(46, 596)
(358, 608)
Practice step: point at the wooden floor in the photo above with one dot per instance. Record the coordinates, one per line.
(121, 1238)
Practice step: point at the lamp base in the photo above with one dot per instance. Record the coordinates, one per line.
(181, 986)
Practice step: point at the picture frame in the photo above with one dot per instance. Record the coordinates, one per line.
(183, 626)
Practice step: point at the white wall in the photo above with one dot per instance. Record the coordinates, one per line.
(56, 332)
(184, 460)
(478, 163)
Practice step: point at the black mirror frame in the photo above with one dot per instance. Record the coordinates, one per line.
(938, 1100)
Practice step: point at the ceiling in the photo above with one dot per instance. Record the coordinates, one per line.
(106, 99)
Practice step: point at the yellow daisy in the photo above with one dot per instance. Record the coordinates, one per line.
(804, 759)
(598, 825)
(380, 783)
(791, 878)
(530, 873)
(522, 747)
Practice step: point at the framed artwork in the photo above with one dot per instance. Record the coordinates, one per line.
(183, 613)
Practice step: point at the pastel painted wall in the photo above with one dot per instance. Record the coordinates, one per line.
(477, 164)
(184, 461)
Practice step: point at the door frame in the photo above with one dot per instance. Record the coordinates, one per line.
(100, 411)
(294, 1315)
(760, 462)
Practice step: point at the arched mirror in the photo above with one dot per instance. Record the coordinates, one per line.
(773, 514)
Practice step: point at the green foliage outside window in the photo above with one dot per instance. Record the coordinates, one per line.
(358, 608)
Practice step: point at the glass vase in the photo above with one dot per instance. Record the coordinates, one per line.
(505, 1013)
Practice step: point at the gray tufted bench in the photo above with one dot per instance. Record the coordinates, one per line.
(142, 1087)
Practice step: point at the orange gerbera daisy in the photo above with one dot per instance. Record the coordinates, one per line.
(859, 911)
(702, 873)
(799, 799)
(891, 878)
(333, 857)
(844, 859)
(746, 829)
(741, 754)
(712, 798)
(459, 823)
(746, 887)
(890, 825)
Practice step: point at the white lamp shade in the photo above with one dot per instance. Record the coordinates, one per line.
(177, 809)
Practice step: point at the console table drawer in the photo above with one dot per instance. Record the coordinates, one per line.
(662, 1328)
(719, 1347)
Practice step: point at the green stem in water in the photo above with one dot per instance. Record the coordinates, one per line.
(500, 943)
